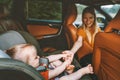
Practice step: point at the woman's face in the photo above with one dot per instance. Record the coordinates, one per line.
(88, 19)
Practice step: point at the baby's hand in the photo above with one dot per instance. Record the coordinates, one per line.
(70, 69)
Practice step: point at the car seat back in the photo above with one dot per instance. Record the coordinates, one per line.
(106, 56)
(16, 70)
(70, 29)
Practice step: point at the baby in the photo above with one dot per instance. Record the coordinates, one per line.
(28, 54)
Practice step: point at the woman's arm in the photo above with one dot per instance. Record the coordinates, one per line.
(77, 44)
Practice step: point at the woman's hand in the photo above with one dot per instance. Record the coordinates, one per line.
(68, 53)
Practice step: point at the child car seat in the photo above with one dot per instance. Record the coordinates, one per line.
(11, 69)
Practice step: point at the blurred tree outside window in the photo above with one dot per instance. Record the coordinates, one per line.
(44, 9)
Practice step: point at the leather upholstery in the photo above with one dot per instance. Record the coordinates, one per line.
(106, 56)
(114, 24)
(70, 29)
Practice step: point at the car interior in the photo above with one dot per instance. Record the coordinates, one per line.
(53, 36)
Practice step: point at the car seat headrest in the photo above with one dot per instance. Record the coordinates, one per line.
(8, 23)
(9, 39)
(71, 14)
(3, 54)
(114, 23)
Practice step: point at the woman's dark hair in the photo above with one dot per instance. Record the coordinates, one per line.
(89, 10)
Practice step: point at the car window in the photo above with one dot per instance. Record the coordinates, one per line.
(49, 10)
(78, 20)
(111, 9)
(100, 19)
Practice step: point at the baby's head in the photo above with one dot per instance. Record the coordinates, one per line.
(26, 53)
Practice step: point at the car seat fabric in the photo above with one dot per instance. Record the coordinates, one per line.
(3, 54)
(9, 39)
(106, 56)
(11, 69)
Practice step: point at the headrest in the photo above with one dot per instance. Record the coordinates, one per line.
(10, 38)
(114, 23)
(3, 54)
(71, 14)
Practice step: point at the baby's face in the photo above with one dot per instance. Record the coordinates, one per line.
(33, 59)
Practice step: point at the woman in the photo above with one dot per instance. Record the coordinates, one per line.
(86, 34)
(88, 30)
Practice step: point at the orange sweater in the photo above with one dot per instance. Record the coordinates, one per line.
(87, 36)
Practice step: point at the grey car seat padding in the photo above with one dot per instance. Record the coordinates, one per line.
(9, 39)
(14, 65)
(3, 54)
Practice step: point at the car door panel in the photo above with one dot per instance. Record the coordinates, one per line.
(49, 34)
(39, 31)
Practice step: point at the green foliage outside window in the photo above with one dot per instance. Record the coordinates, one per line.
(45, 10)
